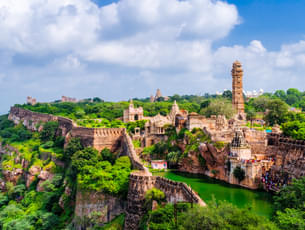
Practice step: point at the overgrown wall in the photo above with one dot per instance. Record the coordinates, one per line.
(98, 138)
(140, 183)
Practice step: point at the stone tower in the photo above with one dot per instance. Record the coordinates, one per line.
(237, 88)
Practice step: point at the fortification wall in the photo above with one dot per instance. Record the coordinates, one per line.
(30, 119)
(139, 184)
(98, 138)
(289, 155)
(111, 138)
(128, 148)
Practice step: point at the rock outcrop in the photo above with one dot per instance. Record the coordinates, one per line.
(214, 161)
(34, 171)
(96, 207)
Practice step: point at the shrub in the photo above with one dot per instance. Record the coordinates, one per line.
(49, 131)
(107, 155)
(239, 174)
(48, 144)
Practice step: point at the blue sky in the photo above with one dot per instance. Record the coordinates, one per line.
(88, 48)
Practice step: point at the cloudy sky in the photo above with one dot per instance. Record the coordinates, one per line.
(121, 49)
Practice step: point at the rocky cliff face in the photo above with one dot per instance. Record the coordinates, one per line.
(96, 207)
(12, 174)
(215, 161)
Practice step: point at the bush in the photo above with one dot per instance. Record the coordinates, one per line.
(49, 131)
(239, 174)
(83, 158)
(102, 176)
(48, 144)
(107, 155)
(73, 146)
(153, 194)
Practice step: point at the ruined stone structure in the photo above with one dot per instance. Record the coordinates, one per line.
(237, 88)
(132, 113)
(139, 184)
(98, 138)
(31, 100)
(68, 99)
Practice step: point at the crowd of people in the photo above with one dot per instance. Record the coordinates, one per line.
(273, 181)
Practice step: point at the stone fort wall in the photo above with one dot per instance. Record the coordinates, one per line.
(289, 155)
(139, 184)
(98, 138)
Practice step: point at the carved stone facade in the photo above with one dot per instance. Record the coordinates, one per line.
(154, 128)
(133, 114)
(237, 88)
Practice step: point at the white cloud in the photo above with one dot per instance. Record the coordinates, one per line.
(50, 48)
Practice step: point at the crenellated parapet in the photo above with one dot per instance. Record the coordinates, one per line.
(289, 155)
(285, 142)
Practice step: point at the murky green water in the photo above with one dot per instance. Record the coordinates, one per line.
(259, 202)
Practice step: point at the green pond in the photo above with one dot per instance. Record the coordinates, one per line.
(258, 201)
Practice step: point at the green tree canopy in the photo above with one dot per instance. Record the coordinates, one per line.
(277, 109)
(239, 173)
(219, 107)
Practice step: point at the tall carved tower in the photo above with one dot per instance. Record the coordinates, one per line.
(237, 87)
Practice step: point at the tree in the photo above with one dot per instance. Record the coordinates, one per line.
(239, 174)
(153, 195)
(219, 107)
(97, 99)
(214, 216)
(293, 91)
(205, 104)
(280, 94)
(291, 196)
(85, 157)
(291, 99)
(222, 216)
(291, 219)
(277, 109)
(107, 155)
(227, 94)
(260, 104)
(173, 157)
(49, 131)
(251, 116)
(73, 146)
